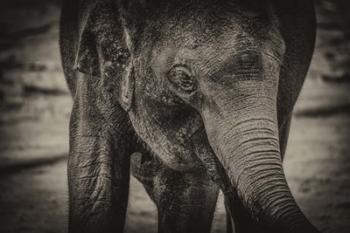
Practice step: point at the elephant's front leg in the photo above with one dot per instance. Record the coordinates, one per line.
(98, 186)
(98, 172)
(185, 202)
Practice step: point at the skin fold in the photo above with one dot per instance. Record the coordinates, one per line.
(192, 97)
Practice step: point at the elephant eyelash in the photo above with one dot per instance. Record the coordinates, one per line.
(183, 80)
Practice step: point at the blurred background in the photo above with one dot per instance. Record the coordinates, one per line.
(34, 114)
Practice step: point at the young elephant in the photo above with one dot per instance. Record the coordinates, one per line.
(203, 91)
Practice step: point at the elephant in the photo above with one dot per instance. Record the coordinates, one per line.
(190, 97)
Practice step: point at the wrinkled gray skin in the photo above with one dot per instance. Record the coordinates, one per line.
(203, 91)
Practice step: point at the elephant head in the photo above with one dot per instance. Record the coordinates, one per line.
(201, 87)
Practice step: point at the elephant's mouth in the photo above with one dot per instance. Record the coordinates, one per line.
(208, 158)
(198, 131)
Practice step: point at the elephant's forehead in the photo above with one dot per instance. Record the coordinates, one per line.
(203, 20)
(198, 40)
(205, 57)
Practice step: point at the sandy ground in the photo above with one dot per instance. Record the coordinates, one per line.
(34, 115)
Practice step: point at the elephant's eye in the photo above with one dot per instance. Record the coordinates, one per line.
(182, 79)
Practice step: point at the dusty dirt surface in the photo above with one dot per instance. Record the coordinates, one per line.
(34, 114)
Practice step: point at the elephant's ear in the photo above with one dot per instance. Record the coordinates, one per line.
(102, 50)
(133, 15)
(101, 40)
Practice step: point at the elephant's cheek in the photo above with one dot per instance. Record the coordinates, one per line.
(173, 149)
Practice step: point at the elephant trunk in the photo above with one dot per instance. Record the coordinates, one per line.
(248, 148)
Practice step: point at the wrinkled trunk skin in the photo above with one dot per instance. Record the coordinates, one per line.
(255, 170)
(242, 129)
